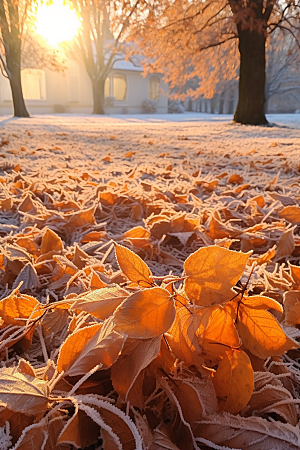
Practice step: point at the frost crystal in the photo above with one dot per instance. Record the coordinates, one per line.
(5, 437)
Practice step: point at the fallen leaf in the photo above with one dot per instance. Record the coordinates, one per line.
(133, 266)
(234, 381)
(211, 273)
(145, 314)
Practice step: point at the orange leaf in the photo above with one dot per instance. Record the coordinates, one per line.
(133, 266)
(189, 400)
(18, 306)
(183, 340)
(261, 333)
(135, 356)
(221, 328)
(212, 272)
(292, 307)
(89, 346)
(146, 314)
(79, 431)
(51, 242)
(101, 303)
(291, 214)
(234, 381)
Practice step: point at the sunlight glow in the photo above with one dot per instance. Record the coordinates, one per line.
(57, 22)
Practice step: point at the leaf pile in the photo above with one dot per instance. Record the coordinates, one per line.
(139, 317)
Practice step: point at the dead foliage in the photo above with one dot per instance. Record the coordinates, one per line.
(139, 317)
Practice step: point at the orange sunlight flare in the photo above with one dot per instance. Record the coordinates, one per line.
(57, 22)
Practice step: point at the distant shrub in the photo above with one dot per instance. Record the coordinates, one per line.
(150, 106)
(110, 101)
(175, 107)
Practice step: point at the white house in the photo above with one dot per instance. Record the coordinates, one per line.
(47, 92)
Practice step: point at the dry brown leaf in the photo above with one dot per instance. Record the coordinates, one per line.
(80, 431)
(270, 397)
(33, 437)
(51, 241)
(291, 302)
(229, 431)
(291, 214)
(161, 441)
(189, 400)
(286, 244)
(23, 393)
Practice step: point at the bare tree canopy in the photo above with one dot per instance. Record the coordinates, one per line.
(98, 47)
(19, 47)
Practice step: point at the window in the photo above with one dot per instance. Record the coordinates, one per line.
(119, 87)
(154, 88)
(33, 84)
(116, 86)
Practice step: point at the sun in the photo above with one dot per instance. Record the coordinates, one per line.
(57, 22)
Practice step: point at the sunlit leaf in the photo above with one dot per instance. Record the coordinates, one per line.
(89, 346)
(146, 314)
(261, 333)
(234, 381)
(211, 273)
(183, 340)
(133, 266)
(101, 303)
(51, 241)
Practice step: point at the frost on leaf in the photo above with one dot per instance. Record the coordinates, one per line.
(101, 303)
(211, 273)
(229, 431)
(23, 393)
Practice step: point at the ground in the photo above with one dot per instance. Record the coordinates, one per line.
(164, 186)
(150, 155)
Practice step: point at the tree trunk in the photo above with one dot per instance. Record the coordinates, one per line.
(13, 59)
(98, 96)
(251, 105)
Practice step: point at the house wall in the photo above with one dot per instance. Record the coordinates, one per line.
(72, 93)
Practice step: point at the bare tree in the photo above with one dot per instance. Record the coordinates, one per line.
(19, 47)
(13, 15)
(99, 48)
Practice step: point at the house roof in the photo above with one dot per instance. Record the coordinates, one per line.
(127, 65)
